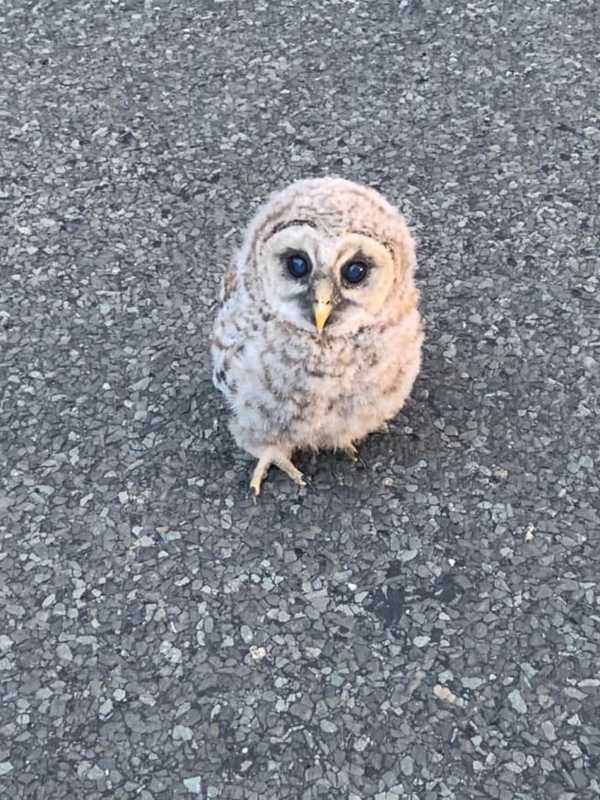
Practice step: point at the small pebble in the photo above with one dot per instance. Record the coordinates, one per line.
(517, 702)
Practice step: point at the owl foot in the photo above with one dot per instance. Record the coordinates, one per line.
(276, 457)
(383, 428)
(352, 453)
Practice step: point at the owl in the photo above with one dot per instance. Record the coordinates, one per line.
(317, 340)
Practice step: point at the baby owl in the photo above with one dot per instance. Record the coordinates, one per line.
(318, 338)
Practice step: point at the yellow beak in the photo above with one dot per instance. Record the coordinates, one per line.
(323, 305)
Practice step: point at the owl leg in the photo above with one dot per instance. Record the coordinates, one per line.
(272, 455)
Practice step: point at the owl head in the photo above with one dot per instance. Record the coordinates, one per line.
(328, 256)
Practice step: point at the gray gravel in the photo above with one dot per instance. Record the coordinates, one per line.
(424, 626)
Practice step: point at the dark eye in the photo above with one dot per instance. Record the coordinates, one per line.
(298, 266)
(354, 271)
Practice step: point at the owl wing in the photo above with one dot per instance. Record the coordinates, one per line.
(228, 285)
(224, 341)
(229, 282)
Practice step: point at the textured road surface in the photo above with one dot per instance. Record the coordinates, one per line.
(425, 627)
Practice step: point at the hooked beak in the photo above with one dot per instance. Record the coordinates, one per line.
(322, 305)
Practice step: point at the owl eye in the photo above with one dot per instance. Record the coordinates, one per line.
(354, 272)
(298, 265)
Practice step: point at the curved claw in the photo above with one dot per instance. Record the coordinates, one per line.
(352, 453)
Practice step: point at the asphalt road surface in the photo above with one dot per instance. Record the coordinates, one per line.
(423, 626)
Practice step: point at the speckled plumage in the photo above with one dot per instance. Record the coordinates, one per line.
(287, 385)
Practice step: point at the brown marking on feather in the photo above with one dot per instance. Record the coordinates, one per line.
(275, 392)
(281, 226)
(392, 385)
(218, 343)
(228, 285)
(276, 213)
